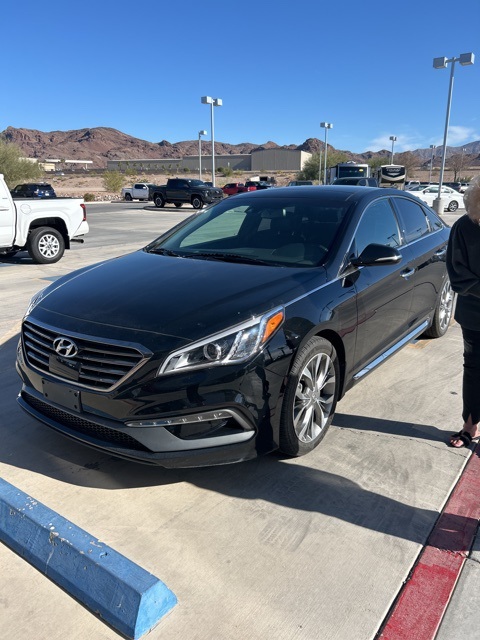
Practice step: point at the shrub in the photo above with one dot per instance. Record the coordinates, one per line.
(89, 197)
(113, 180)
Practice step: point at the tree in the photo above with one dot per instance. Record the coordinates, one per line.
(408, 160)
(15, 168)
(113, 180)
(311, 168)
(455, 163)
(376, 163)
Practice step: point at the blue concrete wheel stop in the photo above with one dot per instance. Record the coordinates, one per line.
(117, 590)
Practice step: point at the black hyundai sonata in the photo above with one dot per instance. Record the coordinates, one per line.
(236, 332)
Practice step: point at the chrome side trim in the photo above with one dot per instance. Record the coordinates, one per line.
(408, 338)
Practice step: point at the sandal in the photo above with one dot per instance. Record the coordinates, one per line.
(464, 437)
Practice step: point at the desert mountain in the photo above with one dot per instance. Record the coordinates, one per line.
(100, 144)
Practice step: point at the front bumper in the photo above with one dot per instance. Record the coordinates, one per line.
(209, 417)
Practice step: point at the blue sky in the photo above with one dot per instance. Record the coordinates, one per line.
(280, 68)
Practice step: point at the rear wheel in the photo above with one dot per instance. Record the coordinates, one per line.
(443, 312)
(159, 200)
(310, 397)
(197, 202)
(128, 197)
(453, 205)
(45, 245)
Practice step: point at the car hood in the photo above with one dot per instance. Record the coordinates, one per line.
(180, 297)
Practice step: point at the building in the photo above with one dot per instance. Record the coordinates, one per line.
(259, 160)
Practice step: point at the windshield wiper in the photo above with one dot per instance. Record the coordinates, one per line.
(228, 257)
(165, 252)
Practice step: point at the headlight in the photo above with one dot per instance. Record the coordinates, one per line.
(34, 300)
(234, 345)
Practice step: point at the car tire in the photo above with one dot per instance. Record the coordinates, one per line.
(197, 202)
(178, 204)
(310, 397)
(159, 200)
(45, 245)
(128, 197)
(443, 312)
(453, 205)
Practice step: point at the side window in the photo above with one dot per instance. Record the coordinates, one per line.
(413, 218)
(434, 222)
(378, 225)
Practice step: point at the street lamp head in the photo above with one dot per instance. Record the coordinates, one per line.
(393, 138)
(326, 125)
(440, 63)
(202, 133)
(207, 100)
(433, 146)
(217, 102)
(467, 58)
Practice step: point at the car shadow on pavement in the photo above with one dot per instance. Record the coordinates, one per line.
(391, 427)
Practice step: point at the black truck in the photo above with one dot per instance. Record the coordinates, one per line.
(181, 190)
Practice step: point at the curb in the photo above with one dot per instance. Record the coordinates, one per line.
(423, 600)
(114, 588)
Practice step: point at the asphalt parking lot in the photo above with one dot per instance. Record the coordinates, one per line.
(310, 548)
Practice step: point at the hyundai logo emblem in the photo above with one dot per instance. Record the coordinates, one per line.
(65, 347)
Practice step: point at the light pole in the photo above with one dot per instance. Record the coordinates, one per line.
(213, 102)
(200, 134)
(325, 125)
(461, 164)
(393, 139)
(432, 147)
(465, 59)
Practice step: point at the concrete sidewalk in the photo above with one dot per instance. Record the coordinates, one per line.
(316, 547)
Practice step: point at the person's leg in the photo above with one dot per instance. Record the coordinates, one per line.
(470, 388)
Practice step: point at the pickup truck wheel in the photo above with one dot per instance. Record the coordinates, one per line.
(45, 245)
(159, 200)
(128, 197)
(178, 204)
(197, 202)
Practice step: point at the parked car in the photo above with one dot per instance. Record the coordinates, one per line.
(232, 188)
(299, 183)
(179, 191)
(33, 190)
(44, 227)
(236, 332)
(139, 191)
(453, 199)
(359, 182)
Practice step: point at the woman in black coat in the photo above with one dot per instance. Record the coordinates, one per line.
(463, 265)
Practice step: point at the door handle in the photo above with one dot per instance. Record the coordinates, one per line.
(407, 274)
(441, 252)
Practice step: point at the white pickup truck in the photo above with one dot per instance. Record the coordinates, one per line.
(45, 228)
(139, 191)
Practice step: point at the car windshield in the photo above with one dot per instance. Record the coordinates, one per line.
(275, 231)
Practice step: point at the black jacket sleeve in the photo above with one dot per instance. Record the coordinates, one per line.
(463, 261)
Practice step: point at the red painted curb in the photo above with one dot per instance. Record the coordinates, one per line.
(423, 600)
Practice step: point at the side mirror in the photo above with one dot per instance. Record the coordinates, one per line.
(377, 255)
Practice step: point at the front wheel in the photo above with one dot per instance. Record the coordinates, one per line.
(197, 202)
(453, 205)
(310, 397)
(159, 200)
(45, 245)
(443, 312)
(128, 197)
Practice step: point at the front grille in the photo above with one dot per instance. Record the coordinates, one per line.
(82, 426)
(99, 365)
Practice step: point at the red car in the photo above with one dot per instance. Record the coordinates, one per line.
(232, 188)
